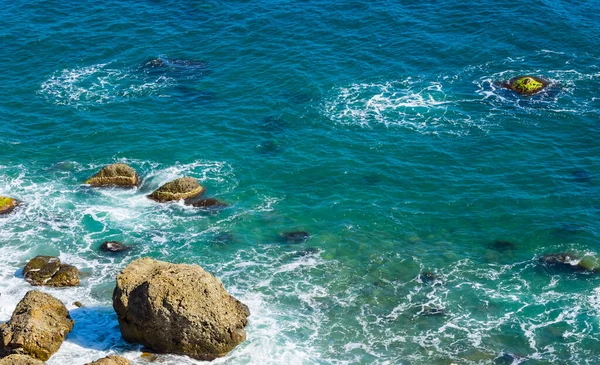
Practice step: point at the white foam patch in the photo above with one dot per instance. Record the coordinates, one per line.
(416, 104)
(100, 84)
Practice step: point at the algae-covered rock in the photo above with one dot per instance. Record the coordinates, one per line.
(180, 309)
(20, 360)
(118, 174)
(7, 204)
(49, 271)
(182, 188)
(37, 328)
(526, 85)
(110, 360)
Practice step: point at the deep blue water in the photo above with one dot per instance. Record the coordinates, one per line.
(374, 126)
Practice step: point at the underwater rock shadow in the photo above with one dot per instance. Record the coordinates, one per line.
(97, 328)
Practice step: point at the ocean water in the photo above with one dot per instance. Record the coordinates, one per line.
(374, 126)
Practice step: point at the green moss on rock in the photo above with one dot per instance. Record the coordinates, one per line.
(526, 85)
(7, 204)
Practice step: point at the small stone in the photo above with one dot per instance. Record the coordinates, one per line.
(78, 304)
(183, 188)
(113, 246)
(150, 357)
(118, 174)
(7, 204)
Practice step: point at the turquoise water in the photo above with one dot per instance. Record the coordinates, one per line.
(375, 127)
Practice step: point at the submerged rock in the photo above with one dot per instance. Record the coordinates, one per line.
(49, 271)
(502, 246)
(572, 262)
(20, 360)
(163, 62)
(180, 309)
(37, 328)
(110, 360)
(182, 188)
(581, 175)
(113, 246)
(295, 237)
(208, 203)
(7, 204)
(526, 85)
(118, 174)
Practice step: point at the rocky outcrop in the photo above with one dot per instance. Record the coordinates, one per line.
(526, 85)
(113, 246)
(7, 204)
(110, 360)
(20, 360)
(180, 309)
(49, 271)
(182, 188)
(38, 326)
(118, 174)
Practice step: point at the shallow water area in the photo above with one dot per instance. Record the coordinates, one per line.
(428, 194)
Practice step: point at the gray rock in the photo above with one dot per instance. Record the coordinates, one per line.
(180, 309)
(38, 326)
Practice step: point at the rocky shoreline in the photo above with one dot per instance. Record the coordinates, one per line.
(168, 308)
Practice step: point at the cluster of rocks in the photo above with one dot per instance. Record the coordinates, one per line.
(121, 175)
(186, 188)
(168, 308)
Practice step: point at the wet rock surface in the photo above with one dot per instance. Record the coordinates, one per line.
(7, 204)
(526, 85)
(49, 271)
(180, 309)
(113, 246)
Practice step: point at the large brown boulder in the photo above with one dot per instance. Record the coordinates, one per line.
(49, 271)
(110, 360)
(182, 188)
(37, 328)
(118, 174)
(7, 204)
(180, 309)
(20, 360)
